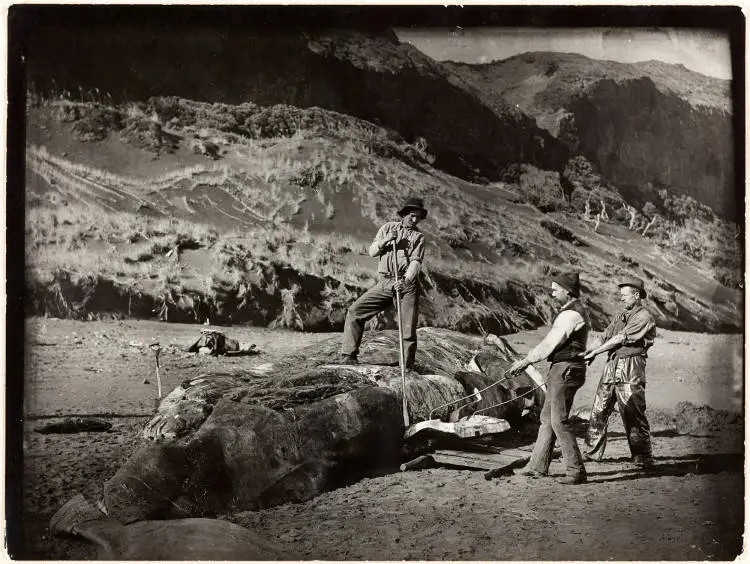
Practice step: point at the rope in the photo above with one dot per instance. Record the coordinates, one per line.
(510, 400)
(470, 395)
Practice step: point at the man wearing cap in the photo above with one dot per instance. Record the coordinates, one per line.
(563, 346)
(407, 261)
(626, 342)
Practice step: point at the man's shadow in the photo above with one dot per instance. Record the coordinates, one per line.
(697, 464)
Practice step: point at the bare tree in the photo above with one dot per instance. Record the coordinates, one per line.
(603, 212)
(632, 215)
(650, 223)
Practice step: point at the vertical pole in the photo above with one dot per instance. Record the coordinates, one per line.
(401, 344)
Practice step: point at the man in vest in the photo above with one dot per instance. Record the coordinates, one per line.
(564, 347)
(407, 261)
(626, 341)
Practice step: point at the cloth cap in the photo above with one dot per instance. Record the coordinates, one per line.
(569, 281)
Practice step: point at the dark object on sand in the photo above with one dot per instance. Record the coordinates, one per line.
(180, 539)
(76, 425)
(250, 457)
(701, 420)
(290, 430)
(217, 343)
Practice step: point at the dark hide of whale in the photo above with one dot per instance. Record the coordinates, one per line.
(289, 430)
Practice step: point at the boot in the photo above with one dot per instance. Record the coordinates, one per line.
(529, 472)
(645, 461)
(348, 359)
(573, 480)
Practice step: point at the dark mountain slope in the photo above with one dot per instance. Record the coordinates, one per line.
(182, 219)
(647, 126)
(370, 75)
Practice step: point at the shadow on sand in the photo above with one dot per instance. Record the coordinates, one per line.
(669, 466)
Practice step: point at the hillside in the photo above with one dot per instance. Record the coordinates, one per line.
(365, 74)
(190, 211)
(645, 126)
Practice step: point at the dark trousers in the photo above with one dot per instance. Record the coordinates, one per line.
(379, 298)
(623, 382)
(563, 381)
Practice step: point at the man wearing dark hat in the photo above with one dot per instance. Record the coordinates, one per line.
(626, 342)
(563, 346)
(408, 260)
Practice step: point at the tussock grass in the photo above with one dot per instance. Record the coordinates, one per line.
(279, 179)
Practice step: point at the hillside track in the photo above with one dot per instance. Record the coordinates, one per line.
(689, 508)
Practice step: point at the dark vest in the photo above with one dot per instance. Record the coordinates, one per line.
(571, 349)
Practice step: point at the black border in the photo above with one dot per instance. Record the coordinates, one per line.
(25, 20)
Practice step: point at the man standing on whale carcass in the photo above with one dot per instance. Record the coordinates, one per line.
(563, 346)
(626, 341)
(408, 261)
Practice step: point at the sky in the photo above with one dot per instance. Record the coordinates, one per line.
(706, 52)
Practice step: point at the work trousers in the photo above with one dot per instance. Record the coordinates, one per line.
(563, 381)
(379, 298)
(623, 382)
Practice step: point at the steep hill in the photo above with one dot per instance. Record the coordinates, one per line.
(366, 74)
(168, 208)
(646, 126)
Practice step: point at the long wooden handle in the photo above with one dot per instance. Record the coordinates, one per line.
(157, 350)
(401, 345)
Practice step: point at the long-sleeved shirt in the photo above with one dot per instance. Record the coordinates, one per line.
(565, 324)
(409, 250)
(637, 326)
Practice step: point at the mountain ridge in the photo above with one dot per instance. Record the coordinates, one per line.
(668, 77)
(645, 126)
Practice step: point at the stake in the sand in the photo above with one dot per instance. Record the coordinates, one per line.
(401, 343)
(157, 349)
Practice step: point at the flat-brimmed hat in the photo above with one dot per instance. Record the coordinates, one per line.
(569, 281)
(634, 282)
(415, 204)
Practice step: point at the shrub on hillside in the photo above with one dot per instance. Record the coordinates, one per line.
(65, 111)
(205, 147)
(581, 174)
(144, 133)
(678, 208)
(96, 123)
(179, 112)
(276, 121)
(542, 189)
(512, 174)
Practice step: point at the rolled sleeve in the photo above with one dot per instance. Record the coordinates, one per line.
(638, 326)
(609, 332)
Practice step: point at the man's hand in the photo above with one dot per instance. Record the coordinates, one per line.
(400, 285)
(388, 241)
(589, 355)
(518, 366)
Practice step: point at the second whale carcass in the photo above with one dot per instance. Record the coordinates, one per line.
(289, 430)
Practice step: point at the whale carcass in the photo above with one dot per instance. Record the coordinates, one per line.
(287, 431)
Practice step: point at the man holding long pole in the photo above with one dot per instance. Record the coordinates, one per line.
(399, 247)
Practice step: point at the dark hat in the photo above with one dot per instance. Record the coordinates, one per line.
(413, 204)
(569, 281)
(634, 282)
